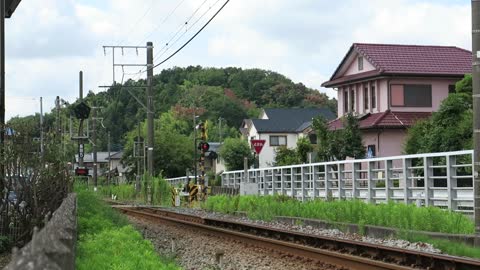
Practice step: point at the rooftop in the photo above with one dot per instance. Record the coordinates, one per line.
(391, 59)
(289, 120)
(387, 119)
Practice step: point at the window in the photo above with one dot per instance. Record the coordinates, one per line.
(365, 98)
(345, 101)
(373, 96)
(451, 89)
(352, 100)
(360, 63)
(313, 138)
(371, 151)
(278, 140)
(411, 95)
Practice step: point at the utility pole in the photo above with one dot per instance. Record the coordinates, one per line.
(195, 155)
(41, 128)
(94, 147)
(2, 72)
(109, 161)
(58, 123)
(80, 129)
(476, 115)
(150, 107)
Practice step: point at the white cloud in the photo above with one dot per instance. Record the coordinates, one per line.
(49, 41)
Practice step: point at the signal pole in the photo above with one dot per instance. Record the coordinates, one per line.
(41, 127)
(476, 115)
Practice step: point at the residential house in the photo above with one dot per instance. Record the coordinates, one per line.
(390, 87)
(106, 164)
(117, 169)
(280, 127)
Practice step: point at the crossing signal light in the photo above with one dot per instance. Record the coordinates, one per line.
(81, 171)
(203, 146)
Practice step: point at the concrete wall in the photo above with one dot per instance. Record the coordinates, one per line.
(53, 247)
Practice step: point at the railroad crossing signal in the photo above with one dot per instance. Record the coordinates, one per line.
(82, 110)
(81, 171)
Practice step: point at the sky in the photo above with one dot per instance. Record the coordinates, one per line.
(49, 41)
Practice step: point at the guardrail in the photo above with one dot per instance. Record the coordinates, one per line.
(180, 180)
(434, 179)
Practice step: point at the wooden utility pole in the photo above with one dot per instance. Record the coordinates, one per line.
(94, 147)
(476, 115)
(80, 129)
(41, 128)
(150, 108)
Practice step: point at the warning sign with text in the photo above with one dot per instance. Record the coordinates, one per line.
(258, 145)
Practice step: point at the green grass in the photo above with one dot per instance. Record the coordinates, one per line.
(395, 215)
(106, 241)
(126, 192)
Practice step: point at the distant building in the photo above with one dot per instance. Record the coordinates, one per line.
(280, 127)
(117, 170)
(390, 87)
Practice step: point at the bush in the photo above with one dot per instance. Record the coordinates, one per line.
(4, 244)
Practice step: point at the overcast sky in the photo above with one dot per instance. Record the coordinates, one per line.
(49, 41)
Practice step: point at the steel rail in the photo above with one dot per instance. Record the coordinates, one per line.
(341, 252)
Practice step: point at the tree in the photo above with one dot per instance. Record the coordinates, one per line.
(450, 128)
(338, 144)
(233, 151)
(285, 156)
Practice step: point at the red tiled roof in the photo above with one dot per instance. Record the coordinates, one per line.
(391, 59)
(387, 119)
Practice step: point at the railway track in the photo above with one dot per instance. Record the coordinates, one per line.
(341, 252)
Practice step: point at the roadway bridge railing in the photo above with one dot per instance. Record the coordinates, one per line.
(433, 179)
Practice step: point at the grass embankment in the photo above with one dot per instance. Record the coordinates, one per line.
(106, 241)
(126, 192)
(395, 215)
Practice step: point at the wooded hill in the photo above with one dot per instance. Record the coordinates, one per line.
(232, 94)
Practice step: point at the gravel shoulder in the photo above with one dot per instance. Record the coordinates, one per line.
(4, 259)
(199, 250)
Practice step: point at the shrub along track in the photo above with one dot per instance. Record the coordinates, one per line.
(341, 252)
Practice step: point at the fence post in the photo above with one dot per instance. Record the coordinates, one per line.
(355, 168)
(341, 181)
(406, 177)
(314, 180)
(428, 182)
(327, 183)
(451, 182)
(302, 177)
(388, 180)
(369, 182)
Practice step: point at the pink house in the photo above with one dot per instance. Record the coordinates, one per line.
(390, 87)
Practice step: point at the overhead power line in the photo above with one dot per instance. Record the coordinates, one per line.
(149, 8)
(188, 28)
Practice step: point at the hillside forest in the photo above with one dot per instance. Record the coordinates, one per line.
(221, 97)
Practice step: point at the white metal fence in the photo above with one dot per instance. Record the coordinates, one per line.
(180, 180)
(433, 179)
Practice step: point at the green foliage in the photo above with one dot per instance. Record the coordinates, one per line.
(233, 151)
(449, 129)
(448, 247)
(124, 192)
(395, 215)
(285, 156)
(4, 244)
(107, 242)
(464, 85)
(338, 144)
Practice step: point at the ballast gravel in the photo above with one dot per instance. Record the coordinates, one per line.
(200, 250)
(417, 246)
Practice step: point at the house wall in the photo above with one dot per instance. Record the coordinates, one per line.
(388, 142)
(353, 67)
(439, 93)
(382, 89)
(267, 155)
